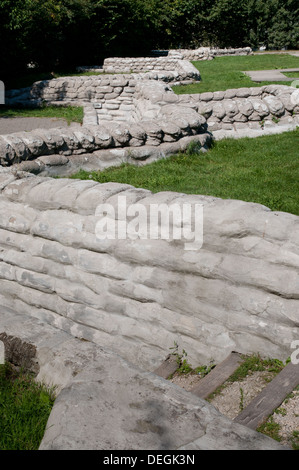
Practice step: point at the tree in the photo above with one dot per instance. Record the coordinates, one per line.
(284, 30)
(57, 34)
(228, 23)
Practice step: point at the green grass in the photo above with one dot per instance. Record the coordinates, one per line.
(224, 73)
(24, 410)
(249, 365)
(295, 440)
(255, 363)
(69, 113)
(264, 170)
(184, 367)
(272, 428)
(292, 74)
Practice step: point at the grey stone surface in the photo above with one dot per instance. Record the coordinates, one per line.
(276, 75)
(155, 68)
(239, 291)
(106, 403)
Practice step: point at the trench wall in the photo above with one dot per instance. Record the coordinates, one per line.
(207, 53)
(242, 108)
(239, 291)
(127, 113)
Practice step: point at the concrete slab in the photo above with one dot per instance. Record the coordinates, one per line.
(106, 403)
(276, 75)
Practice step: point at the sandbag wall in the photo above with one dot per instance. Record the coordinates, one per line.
(139, 297)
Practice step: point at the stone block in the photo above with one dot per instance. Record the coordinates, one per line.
(275, 105)
(245, 107)
(260, 107)
(243, 92)
(219, 110)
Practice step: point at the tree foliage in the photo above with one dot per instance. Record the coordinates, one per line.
(63, 33)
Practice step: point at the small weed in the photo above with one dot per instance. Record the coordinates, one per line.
(291, 395)
(204, 370)
(175, 352)
(256, 363)
(275, 365)
(281, 411)
(271, 429)
(262, 123)
(241, 399)
(193, 148)
(295, 440)
(184, 367)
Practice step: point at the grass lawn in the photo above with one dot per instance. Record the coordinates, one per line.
(69, 113)
(224, 73)
(292, 74)
(263, 170)
(25, 407)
